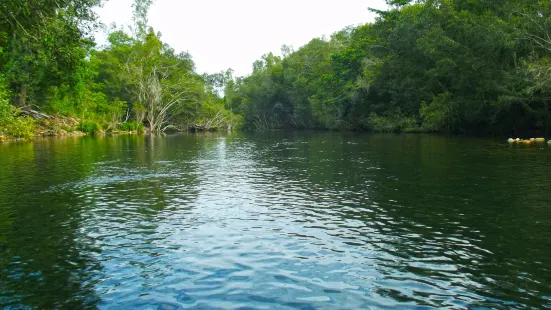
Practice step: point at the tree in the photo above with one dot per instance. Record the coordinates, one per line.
(437, 65)
(162, 81)
(42, 43)
(159, 84)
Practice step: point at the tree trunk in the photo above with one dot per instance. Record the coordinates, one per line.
(22, 96)
(151, 125)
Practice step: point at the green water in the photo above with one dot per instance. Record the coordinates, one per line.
(275, 221)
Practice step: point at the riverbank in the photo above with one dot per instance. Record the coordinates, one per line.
(65, 134)
(39, 125)
(33, 124)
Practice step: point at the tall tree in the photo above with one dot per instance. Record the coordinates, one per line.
(43, 42)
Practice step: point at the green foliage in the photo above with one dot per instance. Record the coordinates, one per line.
(47, 63)
(441, 114)
(12, 124)
(145, 79)
(394, 122)
(6, 109)
(132, 126)
(90, 127)
(42, 43)
(447, 66)
(235, 122)
(459, 66)
(111, 112)
(20, 127)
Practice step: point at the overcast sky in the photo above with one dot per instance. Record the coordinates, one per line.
(222, 34)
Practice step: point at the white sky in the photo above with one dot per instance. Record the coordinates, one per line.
(222, 34)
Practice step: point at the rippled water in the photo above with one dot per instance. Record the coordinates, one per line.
(275, 221)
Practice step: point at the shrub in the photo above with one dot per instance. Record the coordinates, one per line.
(441, 114)
(140, 111)
(20, 127)
(112, 113)
(394, 122)
(131, 126)
(13, 126)
(235, 122)
(7, 111)
(89, 127)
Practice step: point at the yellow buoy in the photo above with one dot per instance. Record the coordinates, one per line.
(539, 140)
(527, 141)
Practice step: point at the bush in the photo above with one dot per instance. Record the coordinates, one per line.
(13, 126)
(111, 113)
(20, 127)
(131, 126)
(235, 122)
(89, 127)
(441, 114)
(394, 122)
(6, 111)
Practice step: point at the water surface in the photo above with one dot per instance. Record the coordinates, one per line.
(275, 221)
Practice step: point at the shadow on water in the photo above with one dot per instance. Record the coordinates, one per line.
(281, 220)
(44, 264)
(62, 201)
(459, 214)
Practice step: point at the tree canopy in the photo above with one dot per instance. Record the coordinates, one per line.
(456, 66)
(449, 66)
(49, 62)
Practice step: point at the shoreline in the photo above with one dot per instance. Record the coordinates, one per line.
(66, 134)
(51, 133)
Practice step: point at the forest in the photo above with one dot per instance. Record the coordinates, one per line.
(452, 66)
(54, 79)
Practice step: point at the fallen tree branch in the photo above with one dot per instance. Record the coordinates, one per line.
(35, 114)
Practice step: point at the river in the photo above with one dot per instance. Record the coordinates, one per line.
(299, 220)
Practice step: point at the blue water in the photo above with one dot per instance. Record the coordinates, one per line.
(275, 221)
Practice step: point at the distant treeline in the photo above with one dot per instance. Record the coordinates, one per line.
(458, 66)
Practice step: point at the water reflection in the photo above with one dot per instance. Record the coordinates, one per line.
(275, 221)
(44, 263)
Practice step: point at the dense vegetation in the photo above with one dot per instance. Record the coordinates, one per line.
(52, 75)
(458, 66)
